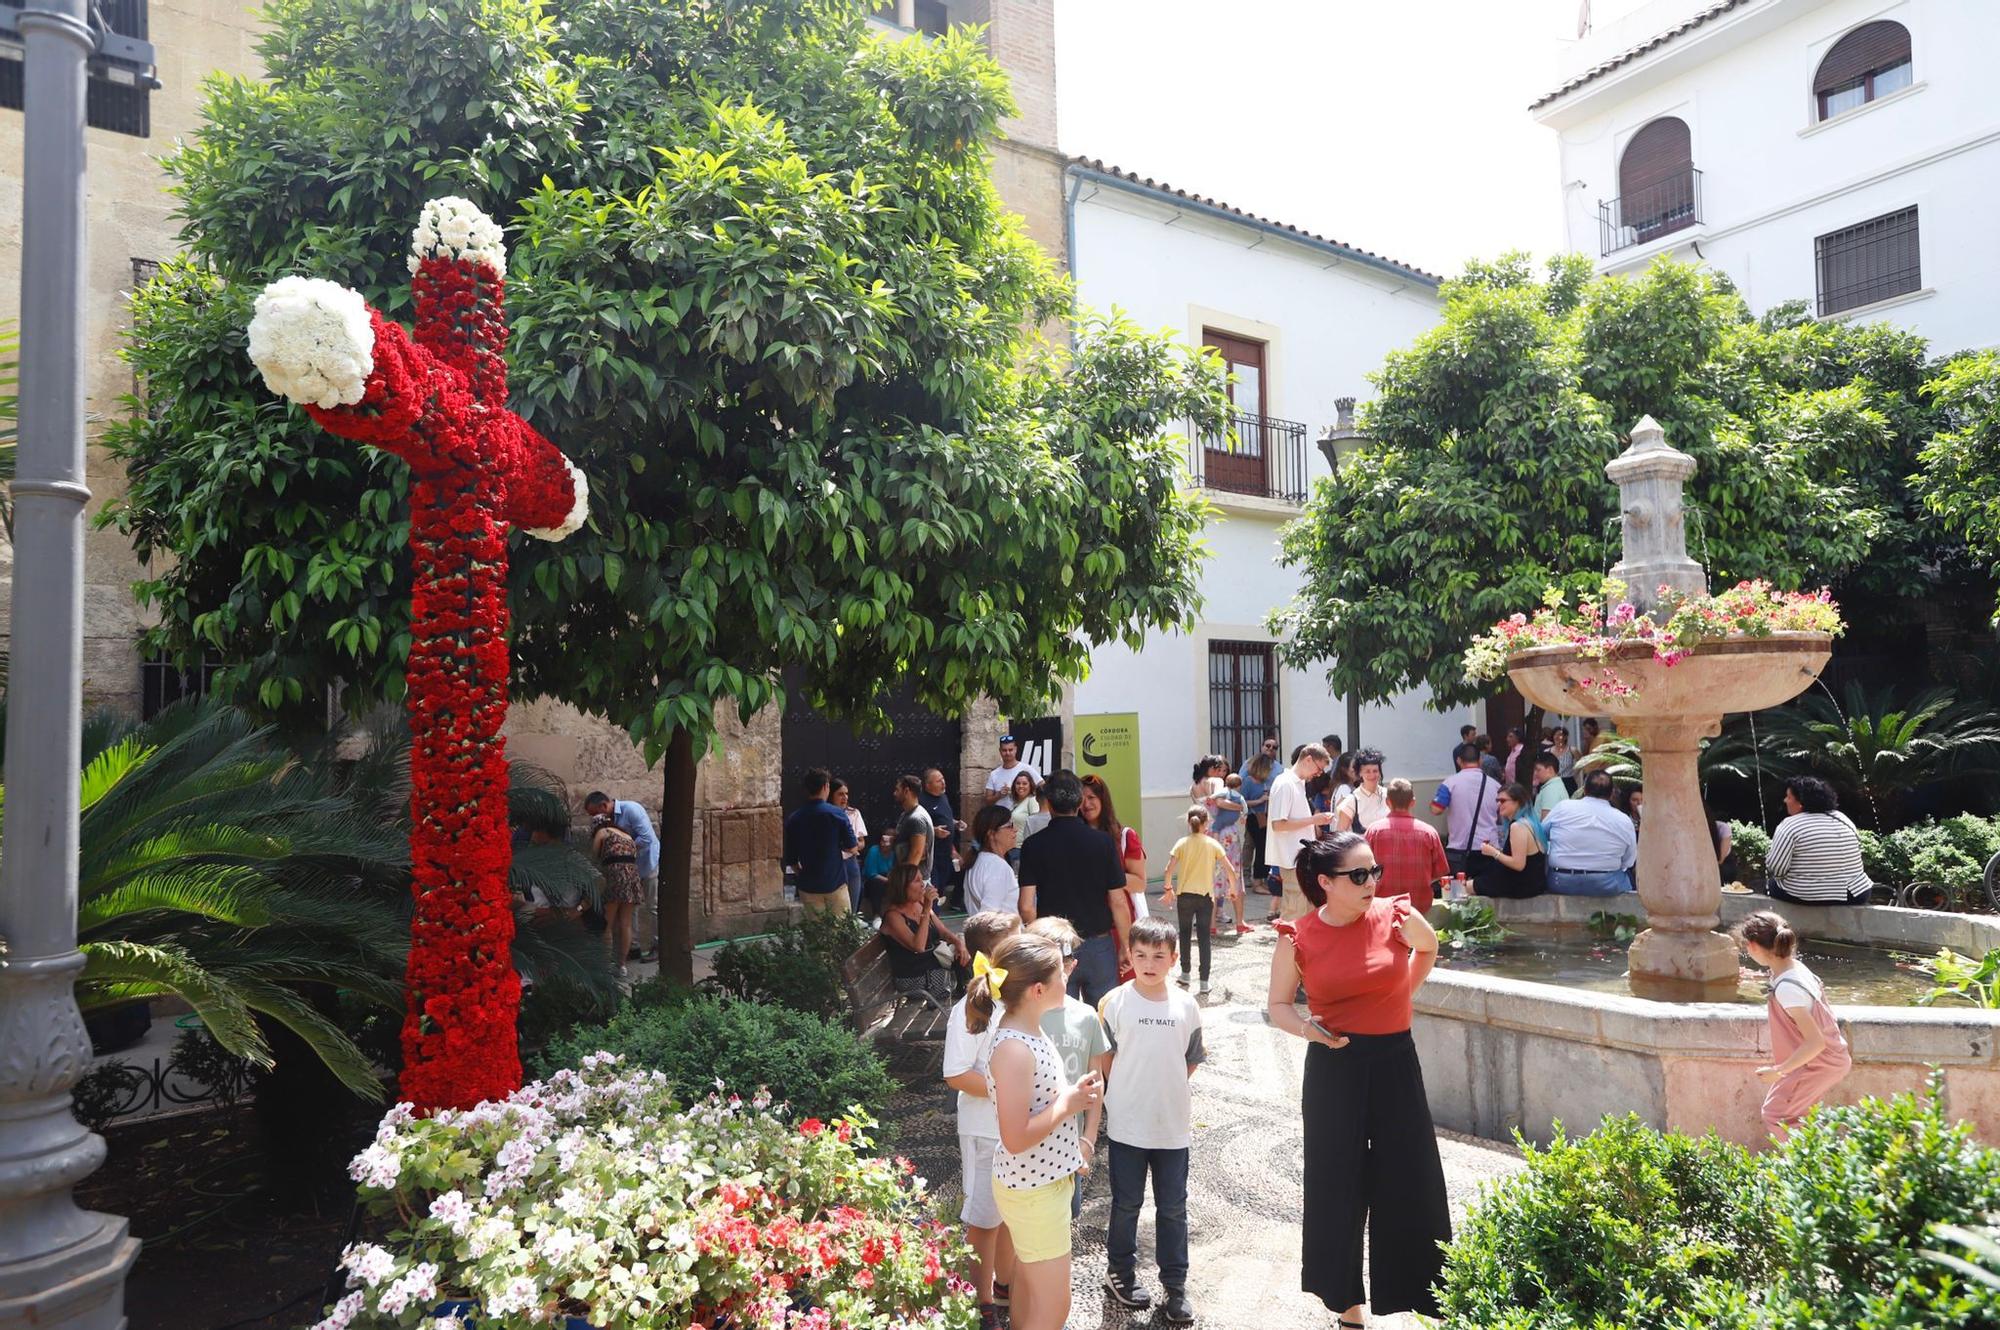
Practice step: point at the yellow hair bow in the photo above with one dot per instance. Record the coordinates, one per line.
(995, 975)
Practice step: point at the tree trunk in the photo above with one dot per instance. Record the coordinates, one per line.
(677, 860)
(1354, 721)
(1532, 744)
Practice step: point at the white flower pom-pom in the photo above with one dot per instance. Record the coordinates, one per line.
(579, 508)
(455, 228)
(313, 342)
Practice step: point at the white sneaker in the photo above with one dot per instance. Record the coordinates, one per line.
(1182, 981)
(1204, 986)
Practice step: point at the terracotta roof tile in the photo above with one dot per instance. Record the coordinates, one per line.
(1626, 57)
(1162, 187)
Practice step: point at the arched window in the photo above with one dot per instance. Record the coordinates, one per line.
(1656, 181)
(1872, 61)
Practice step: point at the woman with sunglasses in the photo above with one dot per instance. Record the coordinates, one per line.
(1371, 1157)
(1519, 850)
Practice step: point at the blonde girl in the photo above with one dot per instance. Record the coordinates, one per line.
(1192, 866)
(1034, 1171)
(1811, 1054)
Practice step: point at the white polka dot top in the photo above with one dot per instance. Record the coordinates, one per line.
(1055, 1156)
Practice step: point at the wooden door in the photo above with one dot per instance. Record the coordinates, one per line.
(1241, 465)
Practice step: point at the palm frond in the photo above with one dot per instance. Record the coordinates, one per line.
(117, 971)
(561, 956)
(327, 1040)
(110, 766)
(561, 874)
(220, 892)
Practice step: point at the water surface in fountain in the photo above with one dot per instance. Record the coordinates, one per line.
(1572, 958)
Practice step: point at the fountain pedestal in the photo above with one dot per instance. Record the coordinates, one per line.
(1671, 709)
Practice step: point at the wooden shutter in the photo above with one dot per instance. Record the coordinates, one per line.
(1660, 152)
(1870, 48)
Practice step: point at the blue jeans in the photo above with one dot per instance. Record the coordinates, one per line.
(1096, 969)
(1571, 882)
(854, 884)
(1129, 1166)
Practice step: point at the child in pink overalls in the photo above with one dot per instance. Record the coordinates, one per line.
(1811, 1054)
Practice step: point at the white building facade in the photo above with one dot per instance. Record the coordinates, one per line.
(1841, 152)
(1302, 321)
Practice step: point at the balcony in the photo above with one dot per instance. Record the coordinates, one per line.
(1661, 208)
(1259, 456)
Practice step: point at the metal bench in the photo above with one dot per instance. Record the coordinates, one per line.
(879, 1011)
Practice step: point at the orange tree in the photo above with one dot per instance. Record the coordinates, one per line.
(763, 292)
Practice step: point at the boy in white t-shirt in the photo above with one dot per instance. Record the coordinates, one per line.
(965, 1058)
(1155, 1034)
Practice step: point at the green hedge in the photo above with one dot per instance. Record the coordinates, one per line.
(796, 965)
(820, 1067)
(1636, 1229)
(1951, 854)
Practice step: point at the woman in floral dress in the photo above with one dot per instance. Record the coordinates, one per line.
(618, 860)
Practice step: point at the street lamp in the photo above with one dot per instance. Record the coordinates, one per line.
(1340, 438)
(60, 1266)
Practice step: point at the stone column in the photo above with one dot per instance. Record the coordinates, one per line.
(1649, 476)
(60, 1266)
(1680, 955)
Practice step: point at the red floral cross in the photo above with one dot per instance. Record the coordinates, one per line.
(438, 400)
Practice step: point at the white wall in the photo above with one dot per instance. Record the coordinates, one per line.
(1327, 325)
(1774, 178)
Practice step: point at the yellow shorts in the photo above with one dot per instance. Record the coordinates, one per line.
(1037, 1218)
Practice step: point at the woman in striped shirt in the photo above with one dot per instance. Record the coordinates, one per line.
(1815, 857)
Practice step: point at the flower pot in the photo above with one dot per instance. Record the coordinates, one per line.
(116, 1029)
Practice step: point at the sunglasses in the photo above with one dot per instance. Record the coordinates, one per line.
(1007, 738)
(1361, 877)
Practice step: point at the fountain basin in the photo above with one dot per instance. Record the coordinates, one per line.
(1673, 708)
(1734, 674)
(1503, 1054)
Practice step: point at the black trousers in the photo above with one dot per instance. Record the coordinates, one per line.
(1197, 916)
(1371, 1161)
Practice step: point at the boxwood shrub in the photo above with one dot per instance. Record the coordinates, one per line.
(1641, 1230)
(820, 1067)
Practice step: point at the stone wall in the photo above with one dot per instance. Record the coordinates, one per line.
(129, 224)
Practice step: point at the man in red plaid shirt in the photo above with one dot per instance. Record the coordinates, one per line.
(1410, 852)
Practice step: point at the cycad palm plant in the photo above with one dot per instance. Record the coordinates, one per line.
(1877, 749)
(216, 867)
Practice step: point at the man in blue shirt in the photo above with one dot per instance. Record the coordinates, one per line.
(816, 836)
(1592, 846)
(632, 820)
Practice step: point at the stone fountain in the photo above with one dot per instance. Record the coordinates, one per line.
(1680, 956)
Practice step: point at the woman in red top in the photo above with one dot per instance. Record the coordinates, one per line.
(1371, 1157)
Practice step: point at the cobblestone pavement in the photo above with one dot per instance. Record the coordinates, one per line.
(1243, 1192)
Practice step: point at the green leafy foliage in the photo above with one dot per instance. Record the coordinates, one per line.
(796, 965)
(1609, 927)
(762, 290)
(1963, 979)
(1751, 845)
(1472, 922)
(1483, 483)
(1644, 1230)
(1617, 1228)
(821, 1067)
(1960, 476)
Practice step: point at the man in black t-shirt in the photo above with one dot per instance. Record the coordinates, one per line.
(1072, 871)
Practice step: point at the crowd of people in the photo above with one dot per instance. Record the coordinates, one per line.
(1072, 1025)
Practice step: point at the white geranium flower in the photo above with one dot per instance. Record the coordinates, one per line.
(341, 1314)
(579, 509)
(453, 1211)
(312, 341)
(367, 1264)
(456, 228)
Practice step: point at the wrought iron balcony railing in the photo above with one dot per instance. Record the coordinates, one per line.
(1661, 208)
(1261, 456)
